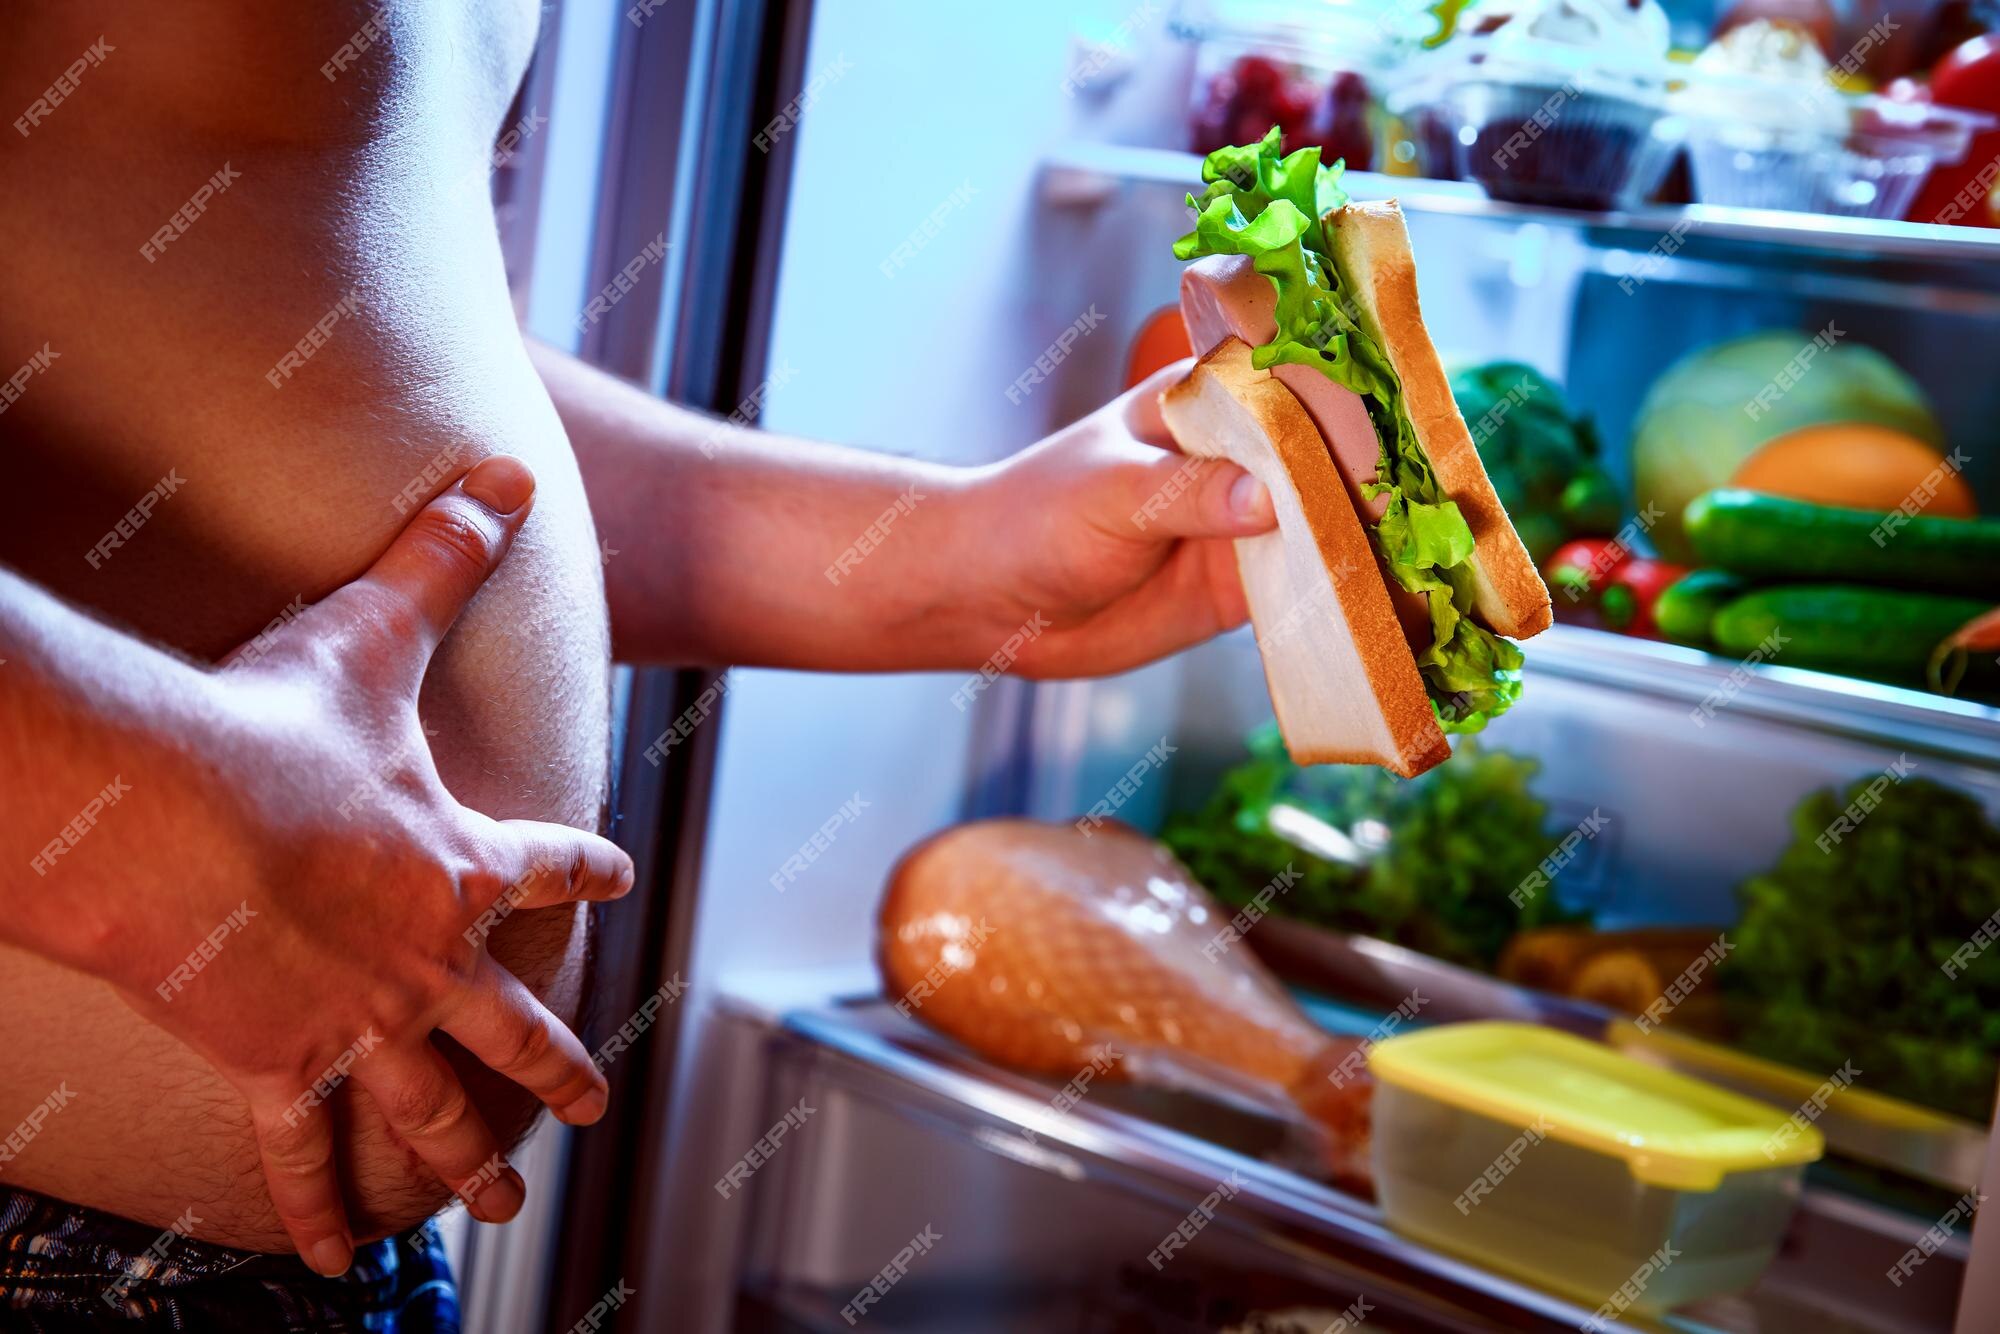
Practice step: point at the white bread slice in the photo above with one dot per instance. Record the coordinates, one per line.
(1343, 683)
(1372, 247)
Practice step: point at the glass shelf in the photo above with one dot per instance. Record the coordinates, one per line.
(1893, 250)
(1886, 715)
(1124, 1143)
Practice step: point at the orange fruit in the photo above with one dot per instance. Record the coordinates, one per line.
(1859, 465)
(1162, 341)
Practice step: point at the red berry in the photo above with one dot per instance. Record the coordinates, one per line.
(1257, 75)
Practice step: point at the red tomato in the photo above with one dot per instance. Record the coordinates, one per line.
(1580, 568)
(1964, 192)
(1629, 596)
(1970, 75)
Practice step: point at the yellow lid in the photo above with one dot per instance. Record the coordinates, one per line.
(1774, 1082)
(1671, 1130)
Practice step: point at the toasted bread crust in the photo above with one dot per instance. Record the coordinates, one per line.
(1373, 247)
(1343, 546)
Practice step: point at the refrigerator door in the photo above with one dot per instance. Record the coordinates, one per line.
(908, 301)
(641, 235)
(691, 187)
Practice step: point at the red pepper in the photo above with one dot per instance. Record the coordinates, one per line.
(1580, 569)
(1627, 603)
(1948, 663)
(1968, 77)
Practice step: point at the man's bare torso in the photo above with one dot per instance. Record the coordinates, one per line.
(255, 243)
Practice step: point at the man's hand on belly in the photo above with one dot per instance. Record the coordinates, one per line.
(285, 884)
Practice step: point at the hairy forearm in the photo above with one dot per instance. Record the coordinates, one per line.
(87, 714)
(726, 545)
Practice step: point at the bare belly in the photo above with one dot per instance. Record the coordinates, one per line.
(288, 487)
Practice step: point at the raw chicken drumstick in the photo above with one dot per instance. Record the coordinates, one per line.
(1041, 945)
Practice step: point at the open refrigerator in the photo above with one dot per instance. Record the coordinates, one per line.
(876, 217)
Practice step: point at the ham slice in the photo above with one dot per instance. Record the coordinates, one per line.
(1223, 295)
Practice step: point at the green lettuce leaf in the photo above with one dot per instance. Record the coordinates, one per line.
(1460, 837)
(1224, 229)
(1254, 175)
(1267, 205)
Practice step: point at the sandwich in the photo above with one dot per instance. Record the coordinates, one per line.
(1380, 601)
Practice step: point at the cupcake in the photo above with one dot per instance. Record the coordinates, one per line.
(1563, 101)
(1771, 130)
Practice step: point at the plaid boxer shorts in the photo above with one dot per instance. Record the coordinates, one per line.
(65, 1268)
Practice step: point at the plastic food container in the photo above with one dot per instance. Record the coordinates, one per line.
(1860, 1123)
(1578, 1169)
(1550, 142)
(1317, 69)
(1867, 161)
(1542, 121)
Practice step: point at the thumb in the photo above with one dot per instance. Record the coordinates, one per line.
(1141, 409)
(551, 864)
(1179, 496)
(416, 589)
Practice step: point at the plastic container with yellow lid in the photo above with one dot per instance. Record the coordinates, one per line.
(1579, 1169)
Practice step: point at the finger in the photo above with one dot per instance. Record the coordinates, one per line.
(448, 550)
(1177, 496)
(296, 1146)
(424, 1103)
(1142, 404)
(502, 1023)
(547, 865)
(1194, 596)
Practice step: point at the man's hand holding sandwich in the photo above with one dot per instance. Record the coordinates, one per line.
(735, 546)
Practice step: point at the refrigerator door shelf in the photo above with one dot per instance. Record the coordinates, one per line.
(1053, 1220)
(1651, 740)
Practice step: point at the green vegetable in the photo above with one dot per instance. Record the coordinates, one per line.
(1842, 950)
(1267, 206)
(1875, 632)
(1780, 538)
(1541, 534)
(1463, 837)
(1592, 504)
(1542, 462)
(1686, 612)
(1716, 407)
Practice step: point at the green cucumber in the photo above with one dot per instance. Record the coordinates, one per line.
(1772, 537)
(1685, 611)
(1868, 631)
